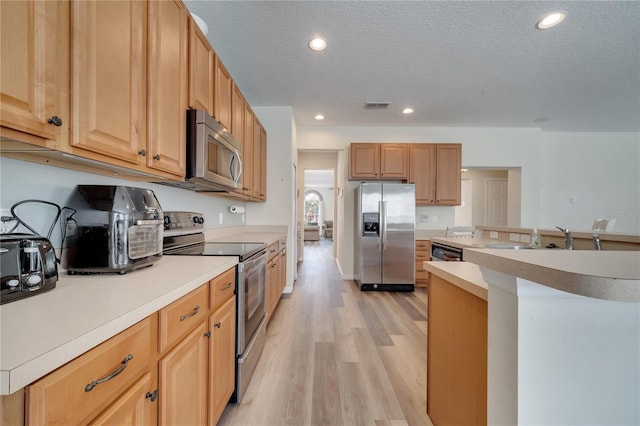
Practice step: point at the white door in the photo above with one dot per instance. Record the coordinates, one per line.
(496, 202)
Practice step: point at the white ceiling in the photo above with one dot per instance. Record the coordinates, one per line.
(457, 63)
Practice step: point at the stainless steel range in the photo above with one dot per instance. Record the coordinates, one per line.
(184, 236)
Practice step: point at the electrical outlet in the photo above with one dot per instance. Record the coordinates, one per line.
(7, 221)
(220, 219)
(243, 219)
(493, 235)
(434, 219)
(424, 218)
(514, 237)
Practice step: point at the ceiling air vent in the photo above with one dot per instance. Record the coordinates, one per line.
(376, 105)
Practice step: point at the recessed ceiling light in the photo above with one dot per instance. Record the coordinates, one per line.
(550, 20)
(407, 111)
(319, 117)
(317, 44)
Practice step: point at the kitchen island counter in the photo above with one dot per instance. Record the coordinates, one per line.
(464, 275)
(608, 275)
(43, 332)
(563, 335)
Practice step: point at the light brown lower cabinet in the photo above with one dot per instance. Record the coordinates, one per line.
(423, 253)
(133, 408)
(276, 274)
(456, 355)
(78, 391)
(222, 324)
(176, 366)
(183, 381)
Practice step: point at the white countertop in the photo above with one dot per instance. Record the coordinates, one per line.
(608, 275)
(45, 331)
(465, 275)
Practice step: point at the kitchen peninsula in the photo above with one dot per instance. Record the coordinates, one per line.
(563, 332)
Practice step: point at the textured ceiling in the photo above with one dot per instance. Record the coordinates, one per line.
(457, 63)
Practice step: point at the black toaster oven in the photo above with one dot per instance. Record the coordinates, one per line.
(27, 266)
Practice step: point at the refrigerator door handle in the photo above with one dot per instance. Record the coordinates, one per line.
(383, 224)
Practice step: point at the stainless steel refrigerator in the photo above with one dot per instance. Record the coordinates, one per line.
(385, 236)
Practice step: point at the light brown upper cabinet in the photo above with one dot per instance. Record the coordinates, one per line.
(263, 164)
(201, 69)
(379, 161)
(168, 86)
(33, 47)
(237, 114)
(422, 172)
(449, 176)
(222, 94)
(435, 170)
(108, 84)
(247, 152)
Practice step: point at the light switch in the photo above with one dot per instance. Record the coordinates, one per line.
(220, 218)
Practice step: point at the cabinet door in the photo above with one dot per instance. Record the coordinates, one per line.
(168, 86)
(247, 159)
(28, 67)
(272, 283)
(133, 408)
(422, 172)
(257, 159)
(237, 114)
(263, 164)
(365, 160)
(201, 69)
(222, 95)
(393, 161)
(222, 348)
(108, 84)
(183, 381)
(449, 176)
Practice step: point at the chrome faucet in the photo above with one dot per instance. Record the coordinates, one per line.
(568, 240)
(596, 242)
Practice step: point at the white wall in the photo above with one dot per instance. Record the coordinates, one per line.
(553, 166)
(600, 172)
(280, 205)
(22, 180)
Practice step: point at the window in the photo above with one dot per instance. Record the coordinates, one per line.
(312, 207)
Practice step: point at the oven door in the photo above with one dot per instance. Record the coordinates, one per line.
(252, 280)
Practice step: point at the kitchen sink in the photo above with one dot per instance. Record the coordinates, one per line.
(508, 246)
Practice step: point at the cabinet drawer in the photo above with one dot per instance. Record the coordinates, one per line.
(77, 389)
(272, 250)
(422, 245)
(181, 316)
(421, 275)
(222, 288)
(422, 256)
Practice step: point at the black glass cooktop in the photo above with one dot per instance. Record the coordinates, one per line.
(242, 250)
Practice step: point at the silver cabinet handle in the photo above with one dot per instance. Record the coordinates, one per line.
(192, 313)
(119, 370)
(217, 325)
(226, 287)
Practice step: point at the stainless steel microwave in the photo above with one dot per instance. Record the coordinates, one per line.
(214, 156)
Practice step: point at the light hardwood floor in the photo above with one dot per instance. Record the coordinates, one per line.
(337, 356)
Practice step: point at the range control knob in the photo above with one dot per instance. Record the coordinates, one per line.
(198, 219)
(34, 280)
(13, 283)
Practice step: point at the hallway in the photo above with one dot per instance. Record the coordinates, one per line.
(337, 356)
